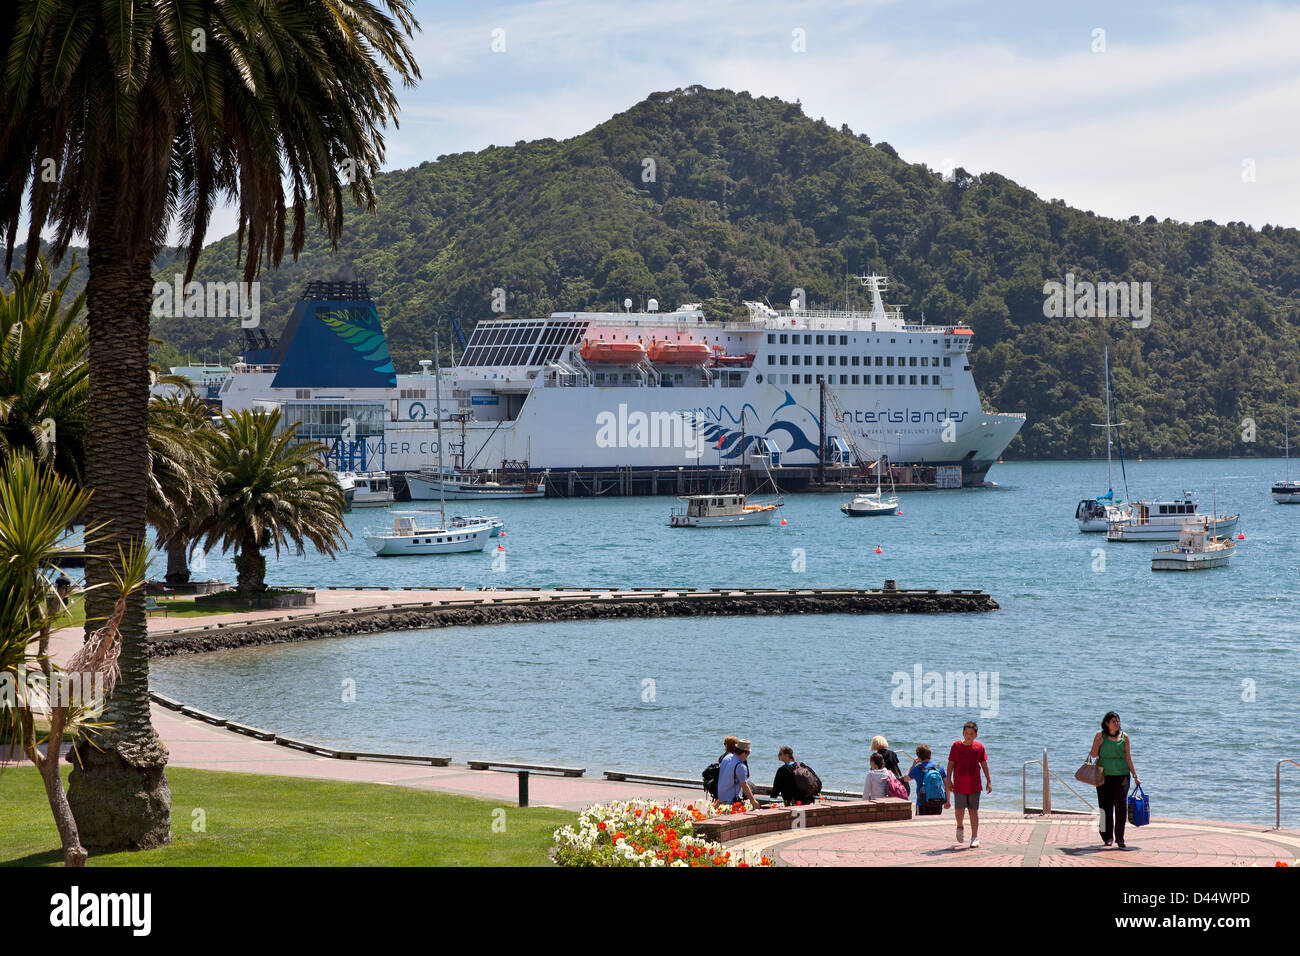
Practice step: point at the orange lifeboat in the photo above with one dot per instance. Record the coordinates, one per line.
(612, 353)
(722, 359)
(679, 353)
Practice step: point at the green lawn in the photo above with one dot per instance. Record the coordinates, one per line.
(177, 608)
(254, 820)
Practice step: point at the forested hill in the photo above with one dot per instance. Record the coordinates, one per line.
(749, 198)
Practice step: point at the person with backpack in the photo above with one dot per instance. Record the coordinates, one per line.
(880, 782)
(733, 777)
(1110, 748)
(930, 790)
(881, 746)
(713, 770)
(795, 782)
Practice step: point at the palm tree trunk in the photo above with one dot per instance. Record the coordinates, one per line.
(119, 794)
(178, 565)
(251, 566)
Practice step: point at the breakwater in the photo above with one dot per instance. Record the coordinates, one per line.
(519, 605)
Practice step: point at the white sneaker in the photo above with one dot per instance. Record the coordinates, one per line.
(974, 844)
(961, 834)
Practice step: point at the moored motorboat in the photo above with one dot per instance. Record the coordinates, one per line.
(372, 490)
(720, 511)
(1196, 550)
(1165, 521)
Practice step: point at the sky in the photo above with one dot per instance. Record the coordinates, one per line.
(1182, 111)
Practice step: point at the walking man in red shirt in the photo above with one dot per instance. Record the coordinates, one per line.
(965, 761)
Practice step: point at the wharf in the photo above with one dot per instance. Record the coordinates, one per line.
(338, 612)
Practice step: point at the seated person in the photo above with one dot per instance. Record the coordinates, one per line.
(877, 784)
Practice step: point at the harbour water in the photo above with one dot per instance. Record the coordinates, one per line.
(1202, 667)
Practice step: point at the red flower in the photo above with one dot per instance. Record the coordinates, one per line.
(1280, 863)
(601, 825)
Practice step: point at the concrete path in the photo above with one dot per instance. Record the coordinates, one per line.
(1008, 839)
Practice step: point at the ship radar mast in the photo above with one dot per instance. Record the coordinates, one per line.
(876, 284)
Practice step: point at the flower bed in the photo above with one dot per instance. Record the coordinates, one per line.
(644, 833)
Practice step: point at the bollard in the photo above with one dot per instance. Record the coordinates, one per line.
(523, 788)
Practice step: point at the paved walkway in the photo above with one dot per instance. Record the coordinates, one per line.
(1007, 839)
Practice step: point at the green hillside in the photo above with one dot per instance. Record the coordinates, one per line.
(749, 198)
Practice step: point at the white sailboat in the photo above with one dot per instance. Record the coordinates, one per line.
(1286, 492)
(409, 536)
(1096, 514)
(872, 505)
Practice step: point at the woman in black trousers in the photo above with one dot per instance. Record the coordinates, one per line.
(1110, 748)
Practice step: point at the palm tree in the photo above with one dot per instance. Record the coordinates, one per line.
(121, 119)
(271, 490)
(182, 485)
(43, 370)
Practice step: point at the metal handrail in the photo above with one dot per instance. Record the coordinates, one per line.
(1278, 776)
(1046, 808)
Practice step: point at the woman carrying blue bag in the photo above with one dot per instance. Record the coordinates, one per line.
(1111, 750)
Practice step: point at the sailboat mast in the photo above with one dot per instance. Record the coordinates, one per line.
(437, 403)
(1286, 438)
(1110, 485)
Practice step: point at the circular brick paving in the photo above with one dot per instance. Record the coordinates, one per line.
(1011, 840)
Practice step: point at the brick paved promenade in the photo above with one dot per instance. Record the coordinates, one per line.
(1007, 839)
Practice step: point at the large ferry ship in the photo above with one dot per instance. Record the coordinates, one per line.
(632, 390)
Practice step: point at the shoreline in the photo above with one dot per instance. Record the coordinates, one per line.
(520, 606)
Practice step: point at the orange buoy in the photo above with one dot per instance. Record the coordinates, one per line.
(501, 547)
(878, 551)
(1241, 536)
(782, 521)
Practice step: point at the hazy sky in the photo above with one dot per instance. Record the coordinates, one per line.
(1180, 110)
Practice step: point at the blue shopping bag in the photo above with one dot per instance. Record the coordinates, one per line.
(1139, 808)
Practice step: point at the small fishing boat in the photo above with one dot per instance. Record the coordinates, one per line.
(372, 490)
(465, 521)
(1286, 492)
(1197, 550)
(720, 511)
(428, 483)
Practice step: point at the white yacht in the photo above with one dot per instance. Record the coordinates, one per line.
(413, 533)
(1196, 550)
(1096, 514)
(873, 505)
(372, 490)
(348, 485)
(1165, 521)
(1286, 492)
(720, 511)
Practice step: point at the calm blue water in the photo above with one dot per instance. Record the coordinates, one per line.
(1202, 667)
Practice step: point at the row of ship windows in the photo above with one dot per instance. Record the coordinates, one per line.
(774, 338)
(528, 333)
(782, 379)
(866, 360)
(510, 355)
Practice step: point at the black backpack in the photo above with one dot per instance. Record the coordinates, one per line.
(710, 778)
(806, 782)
